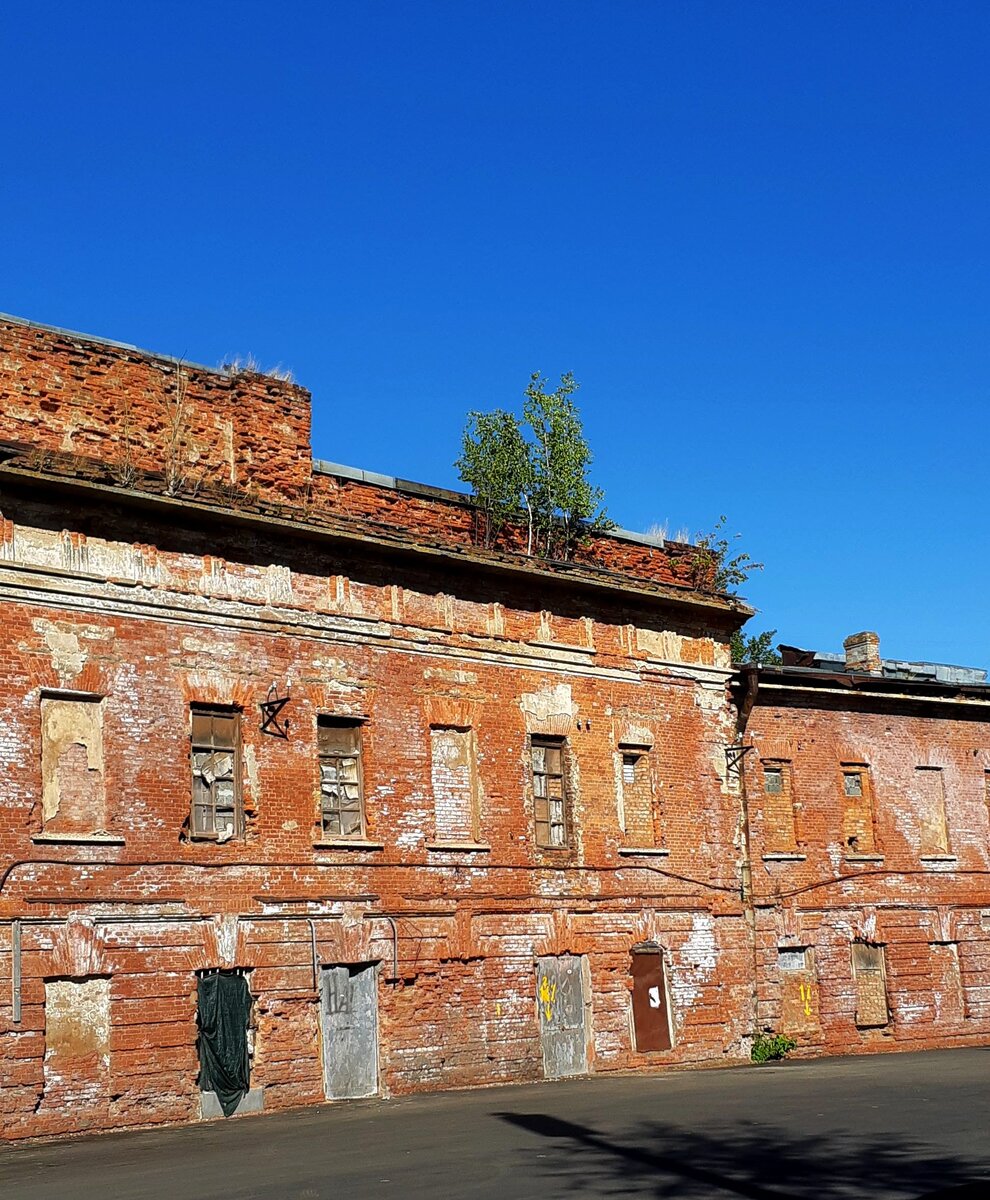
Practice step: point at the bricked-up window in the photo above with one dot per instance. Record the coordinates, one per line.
(341, 784)
(73, 799)
(550, 792)
(778, 807)
(454, 773)
(857, 809)
(217, 811)
(636, 796)
(870, 976)
(933, 830)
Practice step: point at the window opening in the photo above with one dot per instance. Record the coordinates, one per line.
(549, 792)
(216, 808)
(341, 784)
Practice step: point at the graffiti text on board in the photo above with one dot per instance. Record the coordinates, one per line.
(548, 997)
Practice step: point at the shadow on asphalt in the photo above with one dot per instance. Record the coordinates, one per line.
(668, 1161)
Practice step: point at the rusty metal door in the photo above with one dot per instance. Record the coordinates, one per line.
(651, 1016)
(349, 1003)
(561, 997)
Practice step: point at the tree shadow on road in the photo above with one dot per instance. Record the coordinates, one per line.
(748, 1160)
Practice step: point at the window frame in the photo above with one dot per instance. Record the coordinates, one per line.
(559, 744)
(200, 746)
(323, 758)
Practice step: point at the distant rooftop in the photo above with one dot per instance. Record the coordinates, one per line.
(890, 668)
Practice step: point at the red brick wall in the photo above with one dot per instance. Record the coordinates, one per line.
(924, 909)
(156, 630)
(64, 392)
(202, 431)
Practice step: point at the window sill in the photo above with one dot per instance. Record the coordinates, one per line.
(650, 851)
(784, 856)
(938, 858)
(83, 839)
(864, 858)
(347, 844)
(461, 847)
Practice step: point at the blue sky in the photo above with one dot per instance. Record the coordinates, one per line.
(757, 233)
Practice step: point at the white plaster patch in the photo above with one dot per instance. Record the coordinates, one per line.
(549, 702)
(695, 962)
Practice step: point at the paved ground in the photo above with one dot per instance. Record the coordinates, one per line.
(902, 1125)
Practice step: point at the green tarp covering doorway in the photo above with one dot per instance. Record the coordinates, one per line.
(224, 1009)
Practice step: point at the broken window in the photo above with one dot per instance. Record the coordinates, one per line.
(636, 796)
(857, 813)
(454, 772)
(549, 792)
(217, 811)
(73, 791)
(933, 830)
(778, 807)
(341, 787)
(869, 974)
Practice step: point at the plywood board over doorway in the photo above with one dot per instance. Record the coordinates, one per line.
(562, 999)
(349, 1003)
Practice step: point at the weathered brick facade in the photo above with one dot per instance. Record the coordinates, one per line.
(137, 603)
(497, 801)
(869, 845)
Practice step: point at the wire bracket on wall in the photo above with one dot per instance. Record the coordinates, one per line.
(271, 708)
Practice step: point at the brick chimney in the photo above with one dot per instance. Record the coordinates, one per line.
(863, 653)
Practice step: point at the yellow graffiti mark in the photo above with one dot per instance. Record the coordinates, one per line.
(548, 996)
(805, 993)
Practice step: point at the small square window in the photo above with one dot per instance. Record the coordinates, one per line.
(792, 958)
(852, 783)
(773, 781)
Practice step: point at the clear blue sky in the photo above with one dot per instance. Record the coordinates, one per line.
(758, 234)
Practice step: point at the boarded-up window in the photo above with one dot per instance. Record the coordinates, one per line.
(930, 792)
(77, 1041)
(778, 807)
(453, 764)
(636, 797)
(341, 783)
(650, 1006)
(857, 809)
(549, 792)
(216, 785)
(73, 796)
(869, 975)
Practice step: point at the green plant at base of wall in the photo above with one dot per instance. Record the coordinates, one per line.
(767, 1046)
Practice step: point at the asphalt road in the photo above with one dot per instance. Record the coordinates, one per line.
(899, 1125)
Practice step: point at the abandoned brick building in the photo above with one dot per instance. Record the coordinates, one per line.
(867, 790)
(282, 738)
